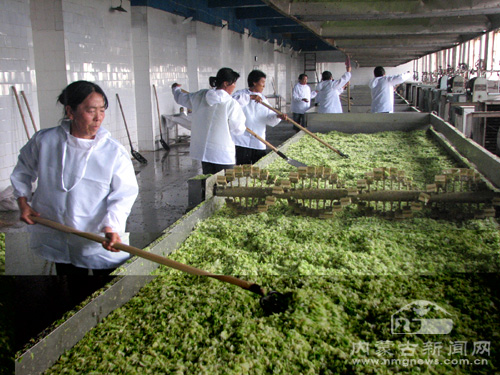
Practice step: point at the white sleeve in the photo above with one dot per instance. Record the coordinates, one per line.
(25, 171)
(397, 79)
(124, 190)
(182, 98)
(236, 119)
(346, 77)
(272, 118)
(297, 93)
(242, 97)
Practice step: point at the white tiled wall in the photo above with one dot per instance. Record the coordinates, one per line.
(16, 69)
(98, 48)
(126, 53)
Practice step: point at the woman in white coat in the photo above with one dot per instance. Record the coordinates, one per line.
(329, 91)
(248, 148)
(382, 90)
(85, 180)
(216, 117)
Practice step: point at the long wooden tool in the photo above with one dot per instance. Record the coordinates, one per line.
(348, 65)
(29, 110)
(21, 112)
(307, 131)
(273, 302)
(141, 159)
(162, 142)
(290, 161)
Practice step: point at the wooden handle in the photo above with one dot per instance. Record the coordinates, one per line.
(29, 110)
(262, 139)
(158, 109)
(124, 120)
(304, 129)
(21, 112)
(144, 254)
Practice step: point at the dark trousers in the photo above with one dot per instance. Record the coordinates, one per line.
(299, 118)
(65, 269)
(212, 168)
(245, 155)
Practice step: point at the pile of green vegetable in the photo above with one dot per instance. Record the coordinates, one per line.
(347, 276)
(415, 152)
(189, 325)
(279, 242)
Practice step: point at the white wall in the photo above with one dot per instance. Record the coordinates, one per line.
(16, 69)
(98, 48)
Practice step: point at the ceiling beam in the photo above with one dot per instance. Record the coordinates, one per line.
(371, 10)
(385, 28)
(423, 41)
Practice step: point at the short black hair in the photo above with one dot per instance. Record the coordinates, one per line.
(255, 76)
(379, 71)
(75, 93)
(326, 75)
(224, 75)
(302, 76)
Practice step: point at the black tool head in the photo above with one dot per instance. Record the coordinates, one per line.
(275, 302)
(141, 159)
(164, 145)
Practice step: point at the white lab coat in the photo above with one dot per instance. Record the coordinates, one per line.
(258, 116)
(300, 92)
(329, 94)
(216, 116)
(382, 91)
(85, 184)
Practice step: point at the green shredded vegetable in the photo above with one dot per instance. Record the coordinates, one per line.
(349, 276)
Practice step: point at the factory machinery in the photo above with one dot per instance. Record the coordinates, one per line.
(471, 105)
(309, 191)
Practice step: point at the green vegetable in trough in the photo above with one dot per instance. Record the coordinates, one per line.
(365, 290)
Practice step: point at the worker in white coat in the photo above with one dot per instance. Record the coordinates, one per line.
(248, 148)
(382, 89)
(85, 179)
(216, 118)
(329, 90)
(301, 100)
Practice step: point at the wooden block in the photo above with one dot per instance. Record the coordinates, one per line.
(361, 184)
(345, 201)
(352, 191)
(416, 206)
(294, 177)
(270, 200)
(221, 180)
(424, 198)
(278, 190)
(285, 184)
(262, 208)
(431, 188)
